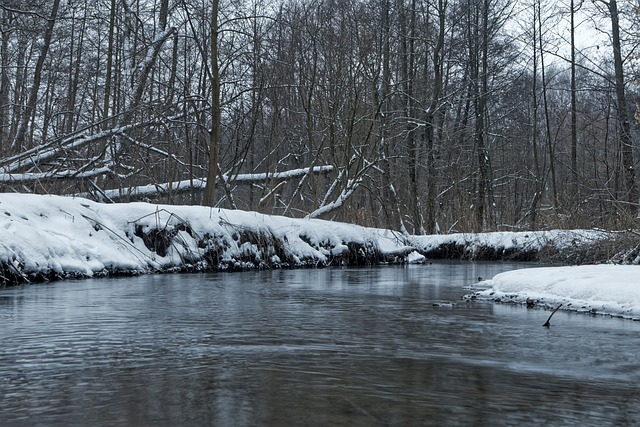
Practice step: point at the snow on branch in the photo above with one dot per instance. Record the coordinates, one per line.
(24, 178)
(346, 192)
(37, 156)
(41, 154)
(350, 185)
(151, 190)
(293, 173)
(147, 66)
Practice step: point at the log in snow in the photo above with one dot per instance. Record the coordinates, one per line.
(151, 190)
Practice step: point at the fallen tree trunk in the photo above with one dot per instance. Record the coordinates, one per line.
(152, 190)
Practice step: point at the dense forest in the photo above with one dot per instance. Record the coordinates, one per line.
(423, 116)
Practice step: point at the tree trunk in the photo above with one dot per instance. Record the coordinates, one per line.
(479, 74)
(74, 76)
(574, 109)
(107, 83)
(626, 139)
(547, 121)
(37, 77)
(432, 110)
(214, 134)
(407, 54)
(537, 194)
(5, 84)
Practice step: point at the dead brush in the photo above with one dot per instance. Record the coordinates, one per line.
(166, 235)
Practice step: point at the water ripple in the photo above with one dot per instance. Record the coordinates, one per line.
(381, 346)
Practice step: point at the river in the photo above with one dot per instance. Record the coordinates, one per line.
(359, 347)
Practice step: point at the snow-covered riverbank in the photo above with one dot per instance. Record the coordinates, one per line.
(597, 289)
(53, 237)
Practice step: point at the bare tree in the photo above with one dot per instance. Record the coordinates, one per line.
(624, 121)
(214, 135)
(28, 113)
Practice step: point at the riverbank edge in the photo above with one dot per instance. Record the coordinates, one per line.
(50, 238)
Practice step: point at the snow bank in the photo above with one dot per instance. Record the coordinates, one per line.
(598, 289)
(516, 246)
(50, 237)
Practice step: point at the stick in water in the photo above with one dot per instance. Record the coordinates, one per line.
(547, 324)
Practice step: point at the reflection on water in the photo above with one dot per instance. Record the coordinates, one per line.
(380, 346)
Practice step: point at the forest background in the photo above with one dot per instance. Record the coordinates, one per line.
(423, 116)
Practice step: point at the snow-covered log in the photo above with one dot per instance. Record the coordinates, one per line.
(39, 155)
(25, 178)
(151, 190)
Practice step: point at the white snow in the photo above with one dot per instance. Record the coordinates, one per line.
(56, 236)
(599, 289)
(196, 183)
(75, 236)
(505, 241)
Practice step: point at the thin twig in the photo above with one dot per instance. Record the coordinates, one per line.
(547, 324)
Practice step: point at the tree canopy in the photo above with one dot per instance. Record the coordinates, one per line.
(422, 116)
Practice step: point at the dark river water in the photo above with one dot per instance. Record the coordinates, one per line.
(358, 347)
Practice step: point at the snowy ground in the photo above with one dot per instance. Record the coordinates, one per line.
(54, 237)
(515, 246)
(598, 289)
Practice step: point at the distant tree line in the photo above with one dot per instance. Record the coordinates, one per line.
(422, 116)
